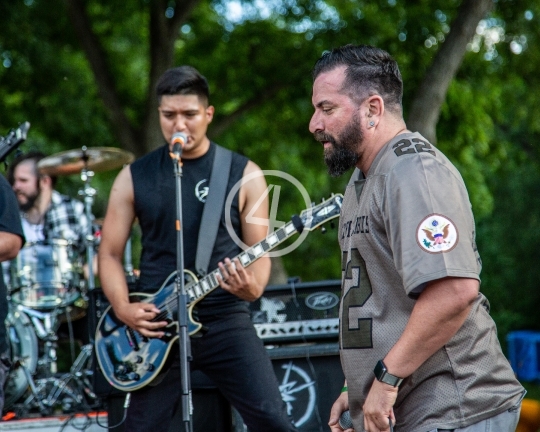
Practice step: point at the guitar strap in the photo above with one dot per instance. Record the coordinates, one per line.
(213, 208)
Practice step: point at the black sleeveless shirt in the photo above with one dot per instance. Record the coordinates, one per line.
(154, 186)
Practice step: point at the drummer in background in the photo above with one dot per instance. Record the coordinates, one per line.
(45, 213)
(11, 241)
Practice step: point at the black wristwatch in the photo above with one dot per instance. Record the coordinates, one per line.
(382, 375)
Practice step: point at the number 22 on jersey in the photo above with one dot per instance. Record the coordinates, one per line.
(355, 330)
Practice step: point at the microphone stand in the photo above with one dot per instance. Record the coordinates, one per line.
(183, 336)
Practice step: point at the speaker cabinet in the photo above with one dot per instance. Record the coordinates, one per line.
(310, 380)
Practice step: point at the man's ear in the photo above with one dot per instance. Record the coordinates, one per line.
(45, 180)
(375, 106)
(375, 110)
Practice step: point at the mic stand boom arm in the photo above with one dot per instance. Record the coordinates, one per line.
(183, 335)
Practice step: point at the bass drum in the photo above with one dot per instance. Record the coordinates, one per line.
(24, 351)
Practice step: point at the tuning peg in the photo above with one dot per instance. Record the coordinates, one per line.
(323, 230)
(332, 225)
(312, 203)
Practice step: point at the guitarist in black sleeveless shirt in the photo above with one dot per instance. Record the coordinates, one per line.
(229, 351)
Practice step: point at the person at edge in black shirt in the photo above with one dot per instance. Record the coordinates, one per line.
(11, 241)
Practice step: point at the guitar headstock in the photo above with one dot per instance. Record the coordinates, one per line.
(13, 139)
(329, 209)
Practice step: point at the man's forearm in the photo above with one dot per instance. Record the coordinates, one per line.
(113, 280)
(438, 314)
(10, 244)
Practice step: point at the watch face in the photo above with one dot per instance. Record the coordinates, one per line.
(380, 370)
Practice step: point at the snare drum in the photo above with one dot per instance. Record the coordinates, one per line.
(46, 275)
(23, 345)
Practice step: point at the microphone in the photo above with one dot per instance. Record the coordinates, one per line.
(345, 421)
(178, 140)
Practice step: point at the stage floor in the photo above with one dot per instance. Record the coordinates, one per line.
(94, 422)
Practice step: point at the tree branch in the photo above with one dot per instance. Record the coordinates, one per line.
(426, 106)
(106, 87)
(163, 35)
(223, 122)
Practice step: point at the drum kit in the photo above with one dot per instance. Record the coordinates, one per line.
(47, 286)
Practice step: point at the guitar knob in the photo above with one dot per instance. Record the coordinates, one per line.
(132, 376)
(150, 367)
(138, 359)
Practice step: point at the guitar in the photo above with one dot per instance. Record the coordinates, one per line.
(13, 139)
(129, 360)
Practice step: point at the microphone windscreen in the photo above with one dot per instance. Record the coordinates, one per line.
(179, 138)
(345, 421)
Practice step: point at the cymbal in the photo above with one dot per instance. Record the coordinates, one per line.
(92, 158)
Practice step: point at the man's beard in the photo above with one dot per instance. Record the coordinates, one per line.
(30, 201)
(344, 153)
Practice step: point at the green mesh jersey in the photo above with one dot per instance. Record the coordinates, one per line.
(408, 223)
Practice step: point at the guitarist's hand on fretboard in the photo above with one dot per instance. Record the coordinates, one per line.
(239, 281)
(141, 317)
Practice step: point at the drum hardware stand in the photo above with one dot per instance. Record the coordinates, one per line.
(128, 263)
(20, 364)
(45, 324)
(88, 192)
(49, 388)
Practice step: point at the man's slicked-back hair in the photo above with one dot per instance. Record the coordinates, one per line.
(183, 80)
(369, 71)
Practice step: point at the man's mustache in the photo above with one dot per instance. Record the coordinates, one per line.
(324, 137)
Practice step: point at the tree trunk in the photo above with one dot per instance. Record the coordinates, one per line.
(95, 54)
(138, 139)
(426, 105)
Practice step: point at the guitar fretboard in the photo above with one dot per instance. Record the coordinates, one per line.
(198, 290)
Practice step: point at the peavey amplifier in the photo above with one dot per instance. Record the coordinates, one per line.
(298, 312)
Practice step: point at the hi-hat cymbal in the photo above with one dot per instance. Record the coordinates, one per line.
(92, 158)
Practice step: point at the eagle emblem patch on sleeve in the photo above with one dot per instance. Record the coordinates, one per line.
(436, 234)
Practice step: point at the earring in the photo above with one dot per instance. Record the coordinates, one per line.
(371, 123)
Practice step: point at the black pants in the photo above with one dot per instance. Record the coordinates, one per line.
(231, 354)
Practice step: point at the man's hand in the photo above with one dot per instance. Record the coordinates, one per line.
(139, 317)
(378, 407)
(239, 281)
(340, 405)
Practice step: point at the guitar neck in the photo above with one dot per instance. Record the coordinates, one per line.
(198, 290)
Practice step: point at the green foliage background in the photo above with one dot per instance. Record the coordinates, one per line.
(489, 125)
